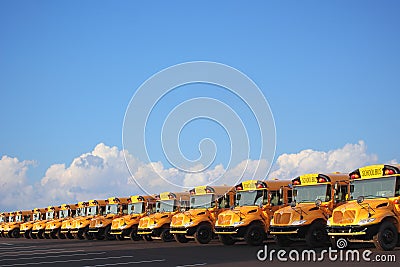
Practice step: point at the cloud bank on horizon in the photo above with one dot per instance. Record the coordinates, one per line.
(102, 173)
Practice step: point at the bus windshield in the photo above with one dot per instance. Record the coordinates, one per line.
(36, 216)
(49, 215)
(249, 198)
(166, 205)
(63, 213)
(80, 212)
(2, 219)
(11, 219)
(202, 201)
(91, 210)
(112, 209)
(374, 188)
(135, 208)
(18, 218)
(311, 193)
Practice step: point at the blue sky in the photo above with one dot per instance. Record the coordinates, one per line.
(329, 69)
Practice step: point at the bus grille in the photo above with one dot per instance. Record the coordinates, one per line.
(283, 218)
(345, 217)
(144, 223)
(224, 219)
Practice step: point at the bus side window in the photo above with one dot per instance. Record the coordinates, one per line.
(397, 190)
(289, 196)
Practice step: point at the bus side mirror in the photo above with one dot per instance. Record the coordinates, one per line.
(336, 186)
(281, 191)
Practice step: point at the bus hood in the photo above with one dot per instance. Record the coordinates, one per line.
(301, 214)
(370, 211)
(188, 218)
(238, 216)
(156, 220)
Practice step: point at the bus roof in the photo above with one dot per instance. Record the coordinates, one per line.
(375, 171)
(68, 206)
(138, 198)
(117, 200)
(206, 189)
(171, 195)
(260, 185)
(318, 178)
(95, 202)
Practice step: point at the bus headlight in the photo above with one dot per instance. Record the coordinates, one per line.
(328, 222)
(366, 221)
(189, 224)
(151, 226)
(299, 222)
(238, 223)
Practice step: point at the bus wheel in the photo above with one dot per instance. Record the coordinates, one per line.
(15, 233)
(203, 234)
(386, 238)
(148, 238)
(120, 237)
(180, 238)
(316, 235)
(134, 235)
(227, 240)
(60, 235)
(255, 235)
(40, 235)
(32, 235)
(47, 236)
(69, 236)
(27, 235)
(166, 236)
(53, 235)
(283, 240)
(107, 233)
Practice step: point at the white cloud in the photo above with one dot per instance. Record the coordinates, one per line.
(345, 159)
(103, 173)
(14, 189)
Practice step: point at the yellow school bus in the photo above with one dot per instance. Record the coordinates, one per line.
(26, 228)
(67, 223)
(255, 204)
(315, 195)
(80, 225)
(53, 227)
(206, 202)
(4, 217)
(372, 213)
(38, 227)
(127, 225)
(100, 225)
(156, 226)
(11, 229)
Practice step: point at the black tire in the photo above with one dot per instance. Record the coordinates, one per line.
(60, 235)
(255, 235)
(203, 234)
(32, 235)
(53, 235)
(133, 235)
(166, 236)
(316, 235)
(107, 233)
(16, 233)
(40, 235)
(69, 236)
(120, 237)
(387, 236)
(86, 234)
(47, 236)
(148, 238)
(181, 238)
(283, 240)
(27, 235)
(227, 240)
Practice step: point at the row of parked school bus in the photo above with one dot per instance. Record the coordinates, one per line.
(317, 208)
